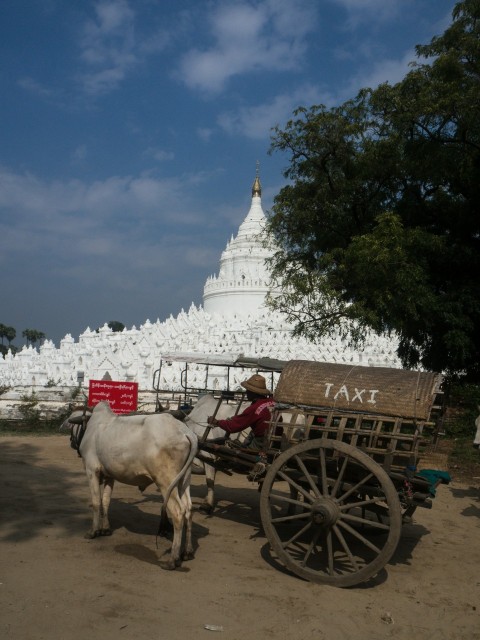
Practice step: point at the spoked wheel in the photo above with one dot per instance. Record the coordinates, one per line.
(330, 512)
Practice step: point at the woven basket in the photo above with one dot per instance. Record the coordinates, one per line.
(373, 390)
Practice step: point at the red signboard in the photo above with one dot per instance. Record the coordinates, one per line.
(122, 396)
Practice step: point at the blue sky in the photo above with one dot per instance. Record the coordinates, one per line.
(130, 132)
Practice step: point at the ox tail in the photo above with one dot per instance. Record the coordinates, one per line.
(192, 438)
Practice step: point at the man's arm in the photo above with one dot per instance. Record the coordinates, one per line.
(237, 423)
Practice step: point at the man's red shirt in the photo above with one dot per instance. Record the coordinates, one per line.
(257, 416)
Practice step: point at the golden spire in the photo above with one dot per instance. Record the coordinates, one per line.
(257, 187)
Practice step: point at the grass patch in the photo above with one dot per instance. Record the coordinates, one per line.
(32, 427)
(464, 460)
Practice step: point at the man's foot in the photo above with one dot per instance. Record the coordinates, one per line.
(259, 469)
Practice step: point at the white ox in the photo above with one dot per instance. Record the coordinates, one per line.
(139, 450)
(476, 441)
(196, 420)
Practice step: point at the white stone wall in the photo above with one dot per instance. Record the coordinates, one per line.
(134, 354)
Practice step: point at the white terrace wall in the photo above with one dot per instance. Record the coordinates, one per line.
(134, 354)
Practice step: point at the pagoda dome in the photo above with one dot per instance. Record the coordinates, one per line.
(243, 280)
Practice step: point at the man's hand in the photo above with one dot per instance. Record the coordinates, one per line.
(211, 420)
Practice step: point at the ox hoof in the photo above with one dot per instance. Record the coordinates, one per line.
(206, 508)
(98, 533)
(188, 555)
(92, 534)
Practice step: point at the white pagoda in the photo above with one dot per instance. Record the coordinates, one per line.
(233, 320)
(243, 280)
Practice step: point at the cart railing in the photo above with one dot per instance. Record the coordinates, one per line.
(394, 442)
(212, 373)
(390, 414)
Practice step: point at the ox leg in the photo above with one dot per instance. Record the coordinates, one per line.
(176, 511)
(94, 484)
(188, 554)
(209, 502)
(105, 529)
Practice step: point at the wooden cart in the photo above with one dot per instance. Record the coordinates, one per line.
(338, 474)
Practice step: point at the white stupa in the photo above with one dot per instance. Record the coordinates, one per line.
(233, 320)
(243, 280)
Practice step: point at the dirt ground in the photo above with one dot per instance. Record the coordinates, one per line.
(54, 584)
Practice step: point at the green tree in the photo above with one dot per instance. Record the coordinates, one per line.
(379, 226)
(33, 336)
(9, 334)
(115, 325)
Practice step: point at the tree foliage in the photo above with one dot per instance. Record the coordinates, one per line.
(7, 333)
(379, 226)
(115, 325)
(33, 336)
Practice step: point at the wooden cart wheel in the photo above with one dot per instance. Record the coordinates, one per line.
(330, 512)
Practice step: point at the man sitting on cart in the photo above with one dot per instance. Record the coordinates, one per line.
(257, 415)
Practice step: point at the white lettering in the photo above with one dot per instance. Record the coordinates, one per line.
(343, 391)
(328, 386)
(358, 395)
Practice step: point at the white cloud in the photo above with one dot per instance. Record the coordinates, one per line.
(50, 207)
(110, 48)
(391, 71)
(109, 38)
(160, 155)
(80, 153)
(268, 36)
(114, 233)
(256, 122)
(31, 85)
(360, 11)
(112, 15)
(204, 134)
